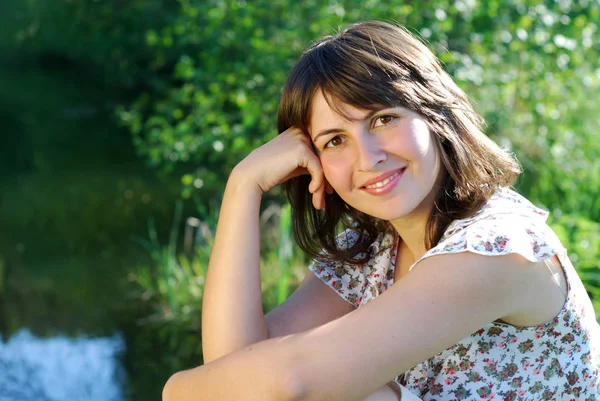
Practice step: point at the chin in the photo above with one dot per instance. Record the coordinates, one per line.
(389, 214)
(396, 211)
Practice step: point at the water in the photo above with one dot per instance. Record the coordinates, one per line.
(61, 368)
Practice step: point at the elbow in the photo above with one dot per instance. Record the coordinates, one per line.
(169, 392)
(294, 391)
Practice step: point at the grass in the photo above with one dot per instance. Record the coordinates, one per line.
(173, 283)
(167, 292)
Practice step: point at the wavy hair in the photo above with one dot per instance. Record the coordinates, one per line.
(371, 65)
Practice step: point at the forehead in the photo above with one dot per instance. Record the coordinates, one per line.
(327, 111)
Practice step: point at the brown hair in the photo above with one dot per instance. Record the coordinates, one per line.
(371, 65)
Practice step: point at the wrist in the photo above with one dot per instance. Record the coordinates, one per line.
(239, 181)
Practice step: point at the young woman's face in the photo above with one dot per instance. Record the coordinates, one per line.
(383, 163)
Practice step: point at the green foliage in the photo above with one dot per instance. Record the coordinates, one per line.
(173, 281)
(2, 273)
(172, 284)
(167, 294)
(285, 252)
(73, 190)
(581, 238)
(528, 66)
(72, 195)
(106, 37)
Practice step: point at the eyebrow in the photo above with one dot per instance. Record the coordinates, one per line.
(338, 130)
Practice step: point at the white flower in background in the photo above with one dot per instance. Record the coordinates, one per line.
(218, 146)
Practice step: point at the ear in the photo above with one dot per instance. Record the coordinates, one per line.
(328, 188)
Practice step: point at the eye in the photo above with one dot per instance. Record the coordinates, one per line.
(334, 142)
(383, 120)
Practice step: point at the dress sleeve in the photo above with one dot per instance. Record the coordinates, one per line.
(534, 240)
(348, 280)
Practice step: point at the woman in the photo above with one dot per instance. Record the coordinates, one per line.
(443, 283)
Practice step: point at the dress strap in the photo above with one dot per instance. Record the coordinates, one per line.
(556, 274)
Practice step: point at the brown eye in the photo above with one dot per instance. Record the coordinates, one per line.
(384, 120)
(334, 142)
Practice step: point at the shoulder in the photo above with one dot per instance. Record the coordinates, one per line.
(517, 290)
(471, 275)
(504, 249)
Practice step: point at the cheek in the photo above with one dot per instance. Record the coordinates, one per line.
(411, 141)
(337, 171)
(422, 143)
(431, 165)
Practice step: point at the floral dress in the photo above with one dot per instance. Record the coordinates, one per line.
(558, 360)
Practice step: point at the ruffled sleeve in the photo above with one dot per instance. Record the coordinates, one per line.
(502, 235)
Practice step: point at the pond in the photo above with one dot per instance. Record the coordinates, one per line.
(74, 198)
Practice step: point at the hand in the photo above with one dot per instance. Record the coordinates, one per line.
(288, 155)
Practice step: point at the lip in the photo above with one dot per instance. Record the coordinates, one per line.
(381, 177)
(388, 187)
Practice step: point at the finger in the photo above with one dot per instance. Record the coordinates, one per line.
(298, 171)
(316, 185)
(328, 187)
(318, 199)
(313, 165)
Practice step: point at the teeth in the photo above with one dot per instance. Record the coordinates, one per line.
(383, 183)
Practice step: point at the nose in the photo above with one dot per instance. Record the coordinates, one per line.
(369, 152)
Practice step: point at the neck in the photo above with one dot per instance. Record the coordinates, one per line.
(411, 228)
(412, 232)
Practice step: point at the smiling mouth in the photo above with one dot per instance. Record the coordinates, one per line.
(383, 183)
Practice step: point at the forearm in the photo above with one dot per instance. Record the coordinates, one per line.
(259, 372)
(232, 315)
(263, 372)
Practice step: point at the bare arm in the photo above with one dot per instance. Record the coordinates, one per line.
(232, 315)
(260, 372)
(255, 373)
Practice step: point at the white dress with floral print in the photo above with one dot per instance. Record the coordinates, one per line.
(559, 360)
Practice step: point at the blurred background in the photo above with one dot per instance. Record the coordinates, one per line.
(121, 120)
